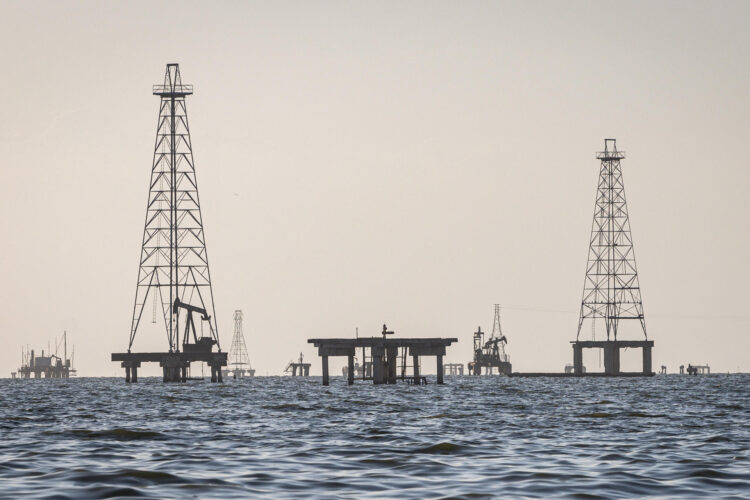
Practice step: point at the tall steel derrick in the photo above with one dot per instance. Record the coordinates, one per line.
(173, 268)
(611, 289)
(238, 357)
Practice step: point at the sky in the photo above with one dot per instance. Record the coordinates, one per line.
(360, 163)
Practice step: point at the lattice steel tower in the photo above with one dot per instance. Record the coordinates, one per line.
(238, 357)
(174, 262)
(611, 289)
(497, 331)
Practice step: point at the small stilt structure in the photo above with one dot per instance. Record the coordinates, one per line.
(303, 368)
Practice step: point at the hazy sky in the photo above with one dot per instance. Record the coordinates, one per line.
(368, 162)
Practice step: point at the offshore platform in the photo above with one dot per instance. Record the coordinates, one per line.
(384, 358)
(50, 366)
(173, 271)
(239, 361)
(490, 354)
(293, 367)
(611, 289)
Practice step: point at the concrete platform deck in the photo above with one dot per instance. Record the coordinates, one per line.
(174, 364)
(611, 355)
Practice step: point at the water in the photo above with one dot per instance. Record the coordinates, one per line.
(282, 437)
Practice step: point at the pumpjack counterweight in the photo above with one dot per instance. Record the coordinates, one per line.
(173, 269)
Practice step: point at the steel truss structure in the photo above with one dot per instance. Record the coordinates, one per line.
(497, 333)
(238, 357)
(173, 268)
(611, 289)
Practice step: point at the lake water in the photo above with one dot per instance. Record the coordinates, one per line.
(280, 437)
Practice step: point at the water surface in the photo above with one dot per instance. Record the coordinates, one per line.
(281, 437)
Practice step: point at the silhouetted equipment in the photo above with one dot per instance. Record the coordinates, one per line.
(239, 361)
(454, 368)
(304, 368)
(50, 366)
(362, 371)
(696, 369)
(611, 289)
(384, 356)
(174, 261)
(490, 354)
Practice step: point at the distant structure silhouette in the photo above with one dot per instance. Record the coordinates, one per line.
(239, 361)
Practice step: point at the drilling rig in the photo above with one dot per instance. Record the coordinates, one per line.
(490, 354)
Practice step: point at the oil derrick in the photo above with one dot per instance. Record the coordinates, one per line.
(174, 262)
(239, 361)
(173, 270)
(611, 289)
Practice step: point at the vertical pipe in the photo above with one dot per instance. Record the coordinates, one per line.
(440, 369)
(350, 372)
(415, 360)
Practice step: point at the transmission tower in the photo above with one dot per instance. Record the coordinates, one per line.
(174, 262)
(611, 289)
(238, 358)
(497, 331)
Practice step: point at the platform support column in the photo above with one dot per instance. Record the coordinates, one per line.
(415, 360)
(134, 375)
(439, 369)
(127, 374)
(378, 369)
(392, 354)
(325, 370)
(577, 359)
(213, 373)
(612, 359)
(350, 370)
(646, 359)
